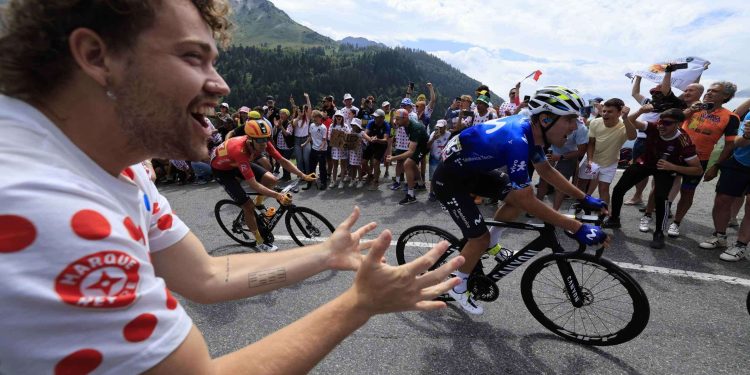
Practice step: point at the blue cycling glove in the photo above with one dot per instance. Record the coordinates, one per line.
(590, 235)
(591, 203)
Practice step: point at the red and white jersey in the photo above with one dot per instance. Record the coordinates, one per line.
(77, 286)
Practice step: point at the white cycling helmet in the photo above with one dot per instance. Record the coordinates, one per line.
(558, 100)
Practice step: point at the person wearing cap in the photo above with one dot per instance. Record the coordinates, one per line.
(482, 111)
(237, 158)
(338, 153)
(377, 135)
(356, 175)
(270, 112)
(470, 165)
(408, 105)
(510, 107)
(349, 111)
(411, 157)
(424, 108)
(248, 115)
(224, 120)
(438, 139)
(284, 140)
(366, 110)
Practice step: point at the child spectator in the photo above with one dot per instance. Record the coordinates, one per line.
(338, 154)
(319, 142)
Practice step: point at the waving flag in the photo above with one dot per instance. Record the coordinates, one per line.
(536, 74)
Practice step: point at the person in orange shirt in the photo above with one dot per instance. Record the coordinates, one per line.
(706, 123)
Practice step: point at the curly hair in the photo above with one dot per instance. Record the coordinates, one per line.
(34, 36)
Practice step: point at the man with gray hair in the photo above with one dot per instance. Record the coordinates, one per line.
(705, 124)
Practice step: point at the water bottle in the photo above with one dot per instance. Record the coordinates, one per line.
(270, 211)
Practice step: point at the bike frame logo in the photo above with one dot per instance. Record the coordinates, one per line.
(107, 279)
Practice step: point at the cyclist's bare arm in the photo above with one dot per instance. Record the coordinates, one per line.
(297, 348)
(554, 178)
(526, 200)
(261, 189)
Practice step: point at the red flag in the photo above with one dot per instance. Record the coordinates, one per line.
(537, 74)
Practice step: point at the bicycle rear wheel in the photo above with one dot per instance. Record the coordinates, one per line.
(615, 308)
(306, 226)
(418, 240)
(232, 221)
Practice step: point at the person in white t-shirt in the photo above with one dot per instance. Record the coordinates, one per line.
(319, 140)
(90, 250)
(438, 139)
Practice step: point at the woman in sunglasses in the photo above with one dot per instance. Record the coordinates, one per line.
(668, 152)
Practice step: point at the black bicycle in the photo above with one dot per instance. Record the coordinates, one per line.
(580, 296)
(305, 225)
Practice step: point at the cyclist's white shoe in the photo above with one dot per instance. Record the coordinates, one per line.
(645, 224)
(267, 247)
(467, 303)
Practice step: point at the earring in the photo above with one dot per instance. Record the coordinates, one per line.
(111, 95)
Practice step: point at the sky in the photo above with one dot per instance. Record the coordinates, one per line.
(587, 45)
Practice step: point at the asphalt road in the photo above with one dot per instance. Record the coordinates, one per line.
(698, 323)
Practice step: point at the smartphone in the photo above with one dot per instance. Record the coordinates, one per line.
(467, 113)
(526, 98)
(707, 106)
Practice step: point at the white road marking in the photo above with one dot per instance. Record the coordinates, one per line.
(630, 266)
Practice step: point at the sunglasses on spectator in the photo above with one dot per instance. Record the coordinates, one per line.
(261, 140)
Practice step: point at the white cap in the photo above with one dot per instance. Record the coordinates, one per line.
(385, 104)
(357, 122)
(348, 96)
(225, 105)
(441, 123)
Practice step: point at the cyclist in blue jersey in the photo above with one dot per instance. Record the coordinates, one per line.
(472, 162)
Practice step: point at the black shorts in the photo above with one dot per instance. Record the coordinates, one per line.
(691, 182)
(230, 180)
(374, 151)
(453, 185)
(418, 155)
(734, 179)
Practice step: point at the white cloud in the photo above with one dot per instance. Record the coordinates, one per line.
(613, 36)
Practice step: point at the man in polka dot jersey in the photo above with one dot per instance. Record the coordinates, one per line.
(89, 249)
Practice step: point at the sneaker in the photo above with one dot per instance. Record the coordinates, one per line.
(715, 242)
(395, 186)
(645, 224)
(658, 241)
(612, 223)
(733, 254)
(267, 247)
(360, 184)
(733, 223)
(432, 197)
(334, 184)
(307, 186)
(322, 186)
(346, 179)
(420, 187)
(674, 230)
(407, 200)
(466, 302)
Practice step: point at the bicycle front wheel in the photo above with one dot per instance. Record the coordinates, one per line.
(418, 240)
(232, 221)
(614, 310)
(306, 226)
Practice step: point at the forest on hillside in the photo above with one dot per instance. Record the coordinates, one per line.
(254, 73)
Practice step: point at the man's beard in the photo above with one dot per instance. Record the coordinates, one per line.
(153, 123)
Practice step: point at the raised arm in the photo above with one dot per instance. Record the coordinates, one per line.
(308, 112)
(666, 83)
(743, 108)
(632, 119)
(636, 91)
(433, 97)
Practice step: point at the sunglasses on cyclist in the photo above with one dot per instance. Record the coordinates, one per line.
(261, 140)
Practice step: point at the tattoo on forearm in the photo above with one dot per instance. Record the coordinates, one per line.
(266, 277)
(226, 278)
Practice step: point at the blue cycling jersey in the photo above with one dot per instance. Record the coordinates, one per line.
(505, 142)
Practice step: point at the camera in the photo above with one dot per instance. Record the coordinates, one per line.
(706, 106)
(673, 67)
(467, 113)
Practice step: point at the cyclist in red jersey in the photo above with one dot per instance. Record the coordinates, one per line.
(237, 158)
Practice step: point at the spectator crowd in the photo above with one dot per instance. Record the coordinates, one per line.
(363, 147)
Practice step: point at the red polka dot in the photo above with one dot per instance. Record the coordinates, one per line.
(16, 233)
(140, 328)
(171, 301)
(135, 232)
(156, 208)
(164, 222)
(90, 225)
(129, 173)
(83, 361)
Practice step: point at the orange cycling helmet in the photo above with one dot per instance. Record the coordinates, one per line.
(257, 129)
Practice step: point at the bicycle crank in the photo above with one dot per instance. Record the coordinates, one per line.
(483, 288)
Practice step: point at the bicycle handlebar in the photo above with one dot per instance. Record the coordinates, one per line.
(584, 216)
